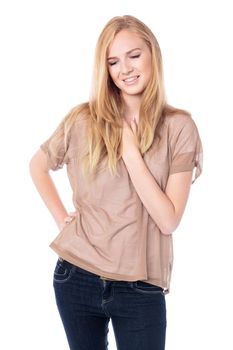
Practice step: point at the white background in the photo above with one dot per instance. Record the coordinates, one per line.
(47, 50)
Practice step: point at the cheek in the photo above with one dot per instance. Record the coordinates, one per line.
(147, 68)
(146, 64)
(112, 73)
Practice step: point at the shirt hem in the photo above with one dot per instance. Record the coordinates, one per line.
(84, 265)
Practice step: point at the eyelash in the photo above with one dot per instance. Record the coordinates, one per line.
(113, 63)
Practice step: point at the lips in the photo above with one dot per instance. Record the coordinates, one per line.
(131, 79)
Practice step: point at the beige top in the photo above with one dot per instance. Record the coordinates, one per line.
(113, 235)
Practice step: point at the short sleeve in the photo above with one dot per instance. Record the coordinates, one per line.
(185, 146)
(55, 149)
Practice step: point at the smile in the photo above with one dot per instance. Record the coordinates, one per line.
(131, 80)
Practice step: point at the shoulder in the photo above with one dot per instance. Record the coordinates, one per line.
(77, 118)
(80, 113)
(76, 127)
(179, 122)
(178, 119)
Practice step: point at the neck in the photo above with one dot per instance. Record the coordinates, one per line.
(131, 107)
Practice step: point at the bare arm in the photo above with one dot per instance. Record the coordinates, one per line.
(46, 188)
(165, 208)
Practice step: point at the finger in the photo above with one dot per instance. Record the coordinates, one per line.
(68, 219)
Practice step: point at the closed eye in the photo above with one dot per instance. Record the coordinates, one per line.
(136, 56)
(112, 63)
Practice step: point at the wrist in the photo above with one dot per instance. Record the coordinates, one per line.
(132, 156)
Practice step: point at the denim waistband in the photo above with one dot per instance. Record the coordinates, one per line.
(78, 267)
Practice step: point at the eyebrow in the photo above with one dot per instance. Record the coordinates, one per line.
(128, 52)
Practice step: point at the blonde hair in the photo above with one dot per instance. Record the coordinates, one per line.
(105, 105)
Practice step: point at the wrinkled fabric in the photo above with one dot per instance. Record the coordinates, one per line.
(112, 234)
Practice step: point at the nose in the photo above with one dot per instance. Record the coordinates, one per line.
(126, 68)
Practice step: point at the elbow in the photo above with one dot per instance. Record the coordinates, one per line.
(166, 232)
(169, 227)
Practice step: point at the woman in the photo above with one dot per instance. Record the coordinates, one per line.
(130, 159)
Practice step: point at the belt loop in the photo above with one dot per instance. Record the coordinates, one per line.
(106, 278)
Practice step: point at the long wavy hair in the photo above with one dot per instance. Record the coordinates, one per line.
(104, 132)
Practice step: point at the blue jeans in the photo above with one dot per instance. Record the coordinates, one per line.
(86, 304)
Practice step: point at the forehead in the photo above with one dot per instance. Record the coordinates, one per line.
(125, 41)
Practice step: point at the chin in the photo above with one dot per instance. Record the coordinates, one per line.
(133, 91)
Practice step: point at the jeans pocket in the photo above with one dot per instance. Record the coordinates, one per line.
(146, 288)
(63, 271)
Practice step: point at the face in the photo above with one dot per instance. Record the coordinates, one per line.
(129, 63)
